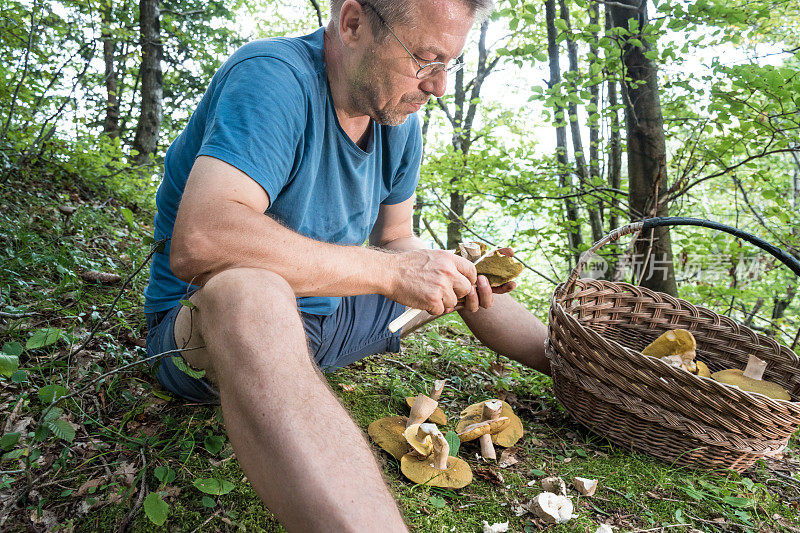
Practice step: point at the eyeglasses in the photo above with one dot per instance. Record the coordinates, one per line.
(427, 70)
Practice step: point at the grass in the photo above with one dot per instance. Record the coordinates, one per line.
(132, 439)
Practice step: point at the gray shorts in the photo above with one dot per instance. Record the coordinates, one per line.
(358, 328)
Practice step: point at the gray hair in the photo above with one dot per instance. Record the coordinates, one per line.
(398, 12)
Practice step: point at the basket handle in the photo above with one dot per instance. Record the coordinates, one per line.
(655, 222)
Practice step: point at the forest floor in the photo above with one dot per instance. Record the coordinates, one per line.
(122, 453)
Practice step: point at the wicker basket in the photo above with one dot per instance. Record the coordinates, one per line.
(596, 333)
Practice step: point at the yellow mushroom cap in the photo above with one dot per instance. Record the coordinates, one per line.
(474, 431)
(735, 377)
(457, 475)
(422, 445)
(437, 417)
(702, 369)
(507, 437)
(673, 342)
(388, 434)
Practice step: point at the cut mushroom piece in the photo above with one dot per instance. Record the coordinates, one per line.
(505, 438)
(388, 434)
(421, 409)
(555, 485)
(585, 486)
(438, 469)
(490, 424)
(750, 379)
(551, 508)
(437, 416)
(419, 437)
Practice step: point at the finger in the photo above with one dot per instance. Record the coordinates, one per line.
(484, 290)
(504, 288)
(466, 268)
(471, 301)
(462, 286)
(506, 251)
(449, 300)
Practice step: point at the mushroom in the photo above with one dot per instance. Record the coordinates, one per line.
(437, 416)
(438, 469)
(678, 348)
(555, 485)
(388, 434)
(551, 508)
(750, 379)
(585, 486)
(419, 437)
(506, 437)
(497, 268)
(490, 424)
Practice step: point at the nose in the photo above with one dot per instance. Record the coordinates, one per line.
(435, 85)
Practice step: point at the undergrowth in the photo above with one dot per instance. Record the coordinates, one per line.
(123, 454)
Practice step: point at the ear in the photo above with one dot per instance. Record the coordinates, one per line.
(354, 27)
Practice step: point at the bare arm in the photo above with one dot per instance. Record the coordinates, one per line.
(221, 225)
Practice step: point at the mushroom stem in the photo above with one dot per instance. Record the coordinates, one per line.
(491, 411)
(438, 387)
(755, 368)
(441, 451)
(423, 407)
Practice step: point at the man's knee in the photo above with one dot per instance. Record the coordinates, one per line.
(244, 291)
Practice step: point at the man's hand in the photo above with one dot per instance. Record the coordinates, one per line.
(432, 280)
(482, 295)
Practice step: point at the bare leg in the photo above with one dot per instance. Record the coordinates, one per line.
(506, 328)
(297, 445)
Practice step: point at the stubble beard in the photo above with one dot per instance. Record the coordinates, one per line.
(365, 92)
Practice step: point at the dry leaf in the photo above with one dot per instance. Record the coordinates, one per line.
(91, 484)
(508, 458)
(127, 473)
(496, 478)
(347, 387)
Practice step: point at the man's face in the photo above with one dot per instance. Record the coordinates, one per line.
(384, 85)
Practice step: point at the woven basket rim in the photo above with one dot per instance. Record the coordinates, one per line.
(721, 388)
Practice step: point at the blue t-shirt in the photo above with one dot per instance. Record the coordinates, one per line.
(269, 112)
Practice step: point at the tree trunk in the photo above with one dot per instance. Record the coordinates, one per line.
(461, 119)
(647, 169)
(111, 122)
(594, 205)
(574, 239)
(146, 140)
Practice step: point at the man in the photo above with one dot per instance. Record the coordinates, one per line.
(318, 134)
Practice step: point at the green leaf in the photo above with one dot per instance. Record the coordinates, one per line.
(537, 472)
(181, 365)
(62, 429)
(437, 501)
(214, 443)
(733, 501)
(208, 502)
(189, 304)
(51, 392)
(147, 240)
(53, 414)
(164, 474)
(561, 24)
(14, 454)
(8, 364)
(43, 337)
(156, 508)
(9, 440)
(20, 376)
(215, 487)
(12, 348)
(127, 214)
(455, 443)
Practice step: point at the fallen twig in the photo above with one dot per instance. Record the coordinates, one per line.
(142, 489)
(3, 314)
